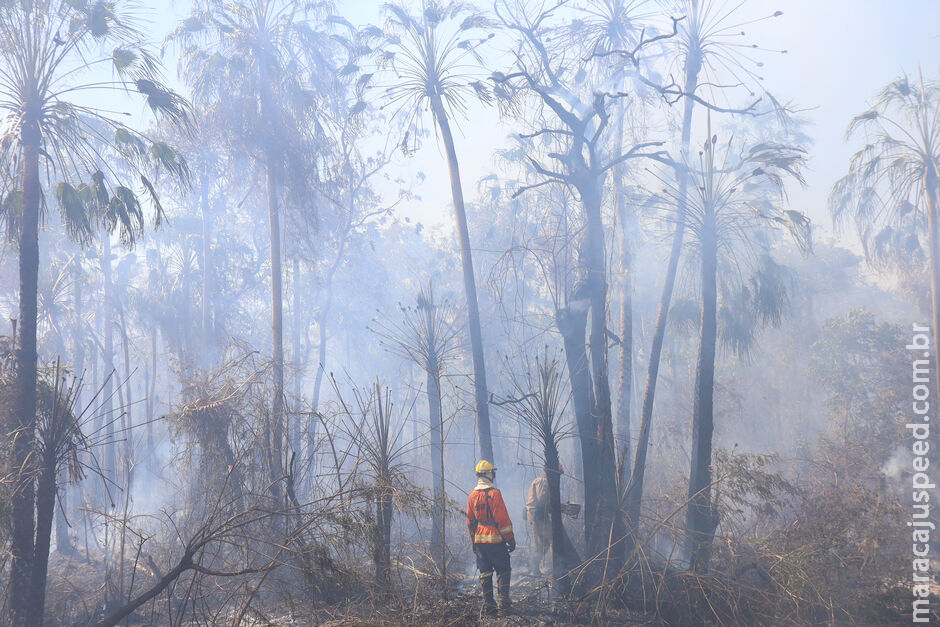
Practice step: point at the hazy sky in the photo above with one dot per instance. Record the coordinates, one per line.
(839, 54)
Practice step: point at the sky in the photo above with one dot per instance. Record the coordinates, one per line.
(839, 54)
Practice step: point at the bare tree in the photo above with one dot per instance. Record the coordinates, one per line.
(576, 122)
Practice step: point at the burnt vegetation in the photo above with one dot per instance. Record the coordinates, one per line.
(270, 301)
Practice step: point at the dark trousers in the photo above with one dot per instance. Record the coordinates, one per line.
(492, 557)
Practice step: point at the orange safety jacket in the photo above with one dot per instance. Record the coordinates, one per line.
(487, 518)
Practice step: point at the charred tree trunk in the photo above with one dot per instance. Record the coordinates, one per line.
(702, 518)
(45, 511)
(469, 283)
(383, 541)
(22, 610)
(564, 555)
(572, 324)
(435, 415)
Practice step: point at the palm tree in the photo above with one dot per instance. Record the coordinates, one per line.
(426, 336)
(708, 53)
(539, 402)
(250, 61)
(892, 188)
(728, 216)
(50, 51)
(428, 55)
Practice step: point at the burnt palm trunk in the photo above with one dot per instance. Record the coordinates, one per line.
(45, 510)
(702, 520)
(564, 555)
(383, 541)
(634, 496)
(469, 284)
(22, 611)
(437, 470)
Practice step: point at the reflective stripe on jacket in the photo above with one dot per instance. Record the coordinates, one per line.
(487, 519)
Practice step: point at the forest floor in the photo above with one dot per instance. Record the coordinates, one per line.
(531, 606)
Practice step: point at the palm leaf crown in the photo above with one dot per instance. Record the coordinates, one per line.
(54, 55)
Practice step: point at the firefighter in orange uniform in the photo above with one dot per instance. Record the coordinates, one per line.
(491, 535)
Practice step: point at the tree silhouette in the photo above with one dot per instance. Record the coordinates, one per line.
(892, 189)
(50, 53)
(429, 57)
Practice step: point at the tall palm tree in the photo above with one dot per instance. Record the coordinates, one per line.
(49, 54)
(429, 56)
(892, 188)
(728, 216)
(708, 51)
(251, 61)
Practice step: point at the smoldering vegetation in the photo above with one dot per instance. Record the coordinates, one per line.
(250, 366)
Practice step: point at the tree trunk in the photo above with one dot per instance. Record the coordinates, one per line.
(572, 324)
(322, 320)
(609, 522)
(110, 446)
(469, 284)
(297, 355)
(45, 510)
(22, 612)
(206, 322)
(625, 383)
(276, 459)
(128, 421)
(634, 496)
(564, 555)
(437, 475)
(702, 520)
(383, 544)
(152, 404)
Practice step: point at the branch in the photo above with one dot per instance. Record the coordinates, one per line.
(672, 93)
(631, 54)
(526, 188)
(633, 153)
(510, 401)
(545, 131)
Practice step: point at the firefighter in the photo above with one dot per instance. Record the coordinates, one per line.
(537, 513)
(491, 534)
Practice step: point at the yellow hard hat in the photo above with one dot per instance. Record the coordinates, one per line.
(484, 466)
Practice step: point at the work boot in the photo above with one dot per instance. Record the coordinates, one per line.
(489, 603)
(505, 605)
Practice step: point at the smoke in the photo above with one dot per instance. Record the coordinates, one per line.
(893, 468)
